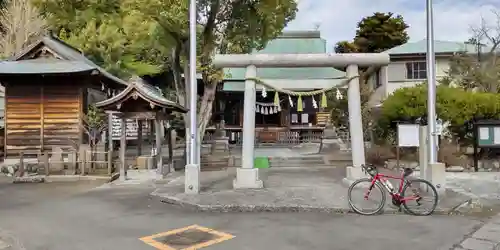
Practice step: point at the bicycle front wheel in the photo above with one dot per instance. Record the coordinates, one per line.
(372, 197)
(420, 196)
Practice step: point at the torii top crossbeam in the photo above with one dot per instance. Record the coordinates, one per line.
(301, 60)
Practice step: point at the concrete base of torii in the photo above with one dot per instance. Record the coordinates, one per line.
(247, 176)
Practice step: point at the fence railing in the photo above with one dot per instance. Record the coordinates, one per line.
(70, 162)
(270, 137)
(96, 162)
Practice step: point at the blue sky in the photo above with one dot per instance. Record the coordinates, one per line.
(337, 19)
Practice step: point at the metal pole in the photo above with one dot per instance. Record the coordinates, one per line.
(193, 126)
(431, 82)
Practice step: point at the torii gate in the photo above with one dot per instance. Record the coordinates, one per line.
(247, 176)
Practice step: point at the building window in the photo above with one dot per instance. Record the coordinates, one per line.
(301, 119)
(304, 118)
(416, 70)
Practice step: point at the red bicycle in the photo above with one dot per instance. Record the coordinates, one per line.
(417, 188)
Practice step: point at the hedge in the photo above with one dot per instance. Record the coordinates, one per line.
(456, 106)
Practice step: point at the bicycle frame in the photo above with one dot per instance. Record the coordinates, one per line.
(381, 178)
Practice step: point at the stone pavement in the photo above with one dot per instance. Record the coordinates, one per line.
(486, 237)
(483, 188)
(141, 176)
(4, 245)
(480, 185)
(9, 242)
(288, 189)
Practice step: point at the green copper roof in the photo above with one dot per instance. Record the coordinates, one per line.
(305, 42)
(420, 47)
(43, 66)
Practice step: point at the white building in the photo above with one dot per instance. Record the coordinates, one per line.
(408, 64)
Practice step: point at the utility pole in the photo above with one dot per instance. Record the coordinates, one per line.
(192, 170)
(431, 82)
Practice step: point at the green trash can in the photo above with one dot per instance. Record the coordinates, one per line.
(261, 162)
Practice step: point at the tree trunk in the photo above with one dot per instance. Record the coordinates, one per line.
(177, 71)
(181, 90)
(206, 107)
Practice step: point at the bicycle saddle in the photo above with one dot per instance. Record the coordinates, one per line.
(370, 169)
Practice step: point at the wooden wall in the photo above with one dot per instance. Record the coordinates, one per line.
(38, 117)
(62, 106)
(22, 119)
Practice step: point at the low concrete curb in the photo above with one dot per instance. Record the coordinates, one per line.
(247, 208)
(58, 178)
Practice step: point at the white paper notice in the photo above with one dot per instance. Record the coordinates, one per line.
(484, 133)
(496, 136)
(408, 135)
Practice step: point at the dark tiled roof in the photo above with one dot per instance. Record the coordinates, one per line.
(43, 66)
(68, 53)
(145, 91)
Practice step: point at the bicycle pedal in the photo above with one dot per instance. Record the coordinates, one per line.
(418, 201)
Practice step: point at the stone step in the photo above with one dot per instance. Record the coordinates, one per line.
(222, 161)
(299, 161)
(318, 161)
(215, 162)
(303, 160)
(283, 165)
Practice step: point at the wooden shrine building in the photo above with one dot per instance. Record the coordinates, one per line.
(279, 122)
(140, 101)
(47, 90)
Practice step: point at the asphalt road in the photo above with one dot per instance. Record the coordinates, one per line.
(69, 216)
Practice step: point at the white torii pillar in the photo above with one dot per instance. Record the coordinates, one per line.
(247, 176)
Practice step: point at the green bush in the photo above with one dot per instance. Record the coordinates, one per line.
(453, 105)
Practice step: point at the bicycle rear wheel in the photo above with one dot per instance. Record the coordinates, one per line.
(420, 196)
(373, 195)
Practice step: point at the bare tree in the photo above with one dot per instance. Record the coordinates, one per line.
(479, 71)
(22, 24)
(488, 31)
